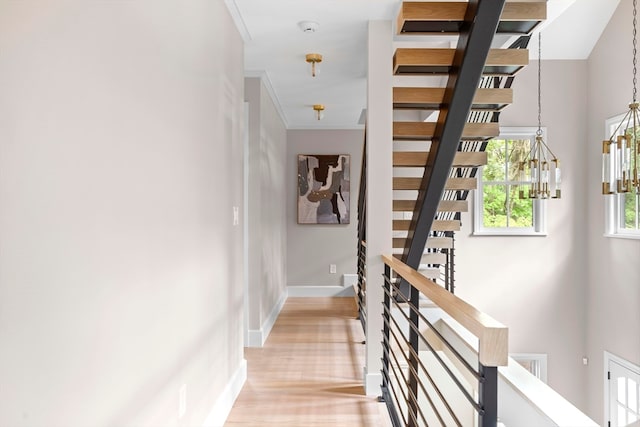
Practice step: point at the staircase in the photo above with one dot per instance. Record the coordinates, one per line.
(441, 125)
(446, 107)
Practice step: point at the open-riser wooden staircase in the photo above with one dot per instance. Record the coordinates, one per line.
(446, 105)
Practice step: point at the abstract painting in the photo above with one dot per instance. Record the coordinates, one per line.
(323, 188)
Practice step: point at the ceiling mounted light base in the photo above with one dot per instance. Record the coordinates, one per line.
(313, 59)
(319, 109)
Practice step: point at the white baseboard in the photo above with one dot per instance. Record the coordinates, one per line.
(221, 409)
(257, 338)
(348, 280)
(372, 383)
(319, 291)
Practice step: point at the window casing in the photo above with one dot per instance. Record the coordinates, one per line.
(622, 211)
(498, 210)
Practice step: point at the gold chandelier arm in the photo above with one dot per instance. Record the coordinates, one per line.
(625, 119)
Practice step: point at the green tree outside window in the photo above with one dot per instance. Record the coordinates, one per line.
(502, 208)
(630, 201)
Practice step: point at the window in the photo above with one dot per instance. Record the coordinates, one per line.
(498, 209)
(536, 363)
(623, 210)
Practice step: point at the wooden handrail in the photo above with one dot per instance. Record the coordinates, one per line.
(493, 336)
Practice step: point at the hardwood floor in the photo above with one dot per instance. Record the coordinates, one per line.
(309, 373)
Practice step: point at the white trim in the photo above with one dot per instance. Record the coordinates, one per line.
(541, 358)
(355, 126)
(257, 338)
(349, 280)
(234, 11)
(254, 338)
(372, 383)
(245, 222)
(610, 357)
(221, 409)
(319, 291)
(622, 236)
(264, 77)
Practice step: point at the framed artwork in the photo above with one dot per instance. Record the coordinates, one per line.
(323, 188)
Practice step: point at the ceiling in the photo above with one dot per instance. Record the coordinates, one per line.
(275, 49)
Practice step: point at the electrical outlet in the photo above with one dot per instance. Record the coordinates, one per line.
(182, 401)
(332, 268)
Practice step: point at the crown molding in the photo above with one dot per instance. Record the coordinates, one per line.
(234, 11)
(264, 78)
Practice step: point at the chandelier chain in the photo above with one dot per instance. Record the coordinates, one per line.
(539, 131)
(635, 14)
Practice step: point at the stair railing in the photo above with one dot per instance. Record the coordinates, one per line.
(361, 286)
(428, 379)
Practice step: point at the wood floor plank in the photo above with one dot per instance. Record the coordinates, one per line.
(309, 372)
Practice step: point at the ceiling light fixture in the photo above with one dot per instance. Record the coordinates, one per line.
(540, 169)
(319, 109)
(621, 152)
(313, 59)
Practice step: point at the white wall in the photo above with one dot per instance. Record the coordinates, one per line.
(614, 292)
(120, 161)
(537, 285)
(266, 211)
(312, 248)
(379, 189)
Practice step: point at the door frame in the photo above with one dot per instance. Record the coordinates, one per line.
(610, 357)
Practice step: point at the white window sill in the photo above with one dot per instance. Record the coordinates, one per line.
(515, 233)
(623, 236)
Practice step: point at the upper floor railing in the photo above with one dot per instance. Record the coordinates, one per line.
(426, 379)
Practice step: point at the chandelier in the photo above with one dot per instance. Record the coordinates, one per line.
(620, 153)
(539, 172)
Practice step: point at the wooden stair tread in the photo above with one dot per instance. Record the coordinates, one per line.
(443, 206)
(432, 242)
(401, 183)
(439, 61)
(429, 258)
(432, 98)
(438, 225)
(432, 273)
(447, 17)
(462, 159)
(421, 131)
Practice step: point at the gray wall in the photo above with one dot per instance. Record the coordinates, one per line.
(312, 248)
(537, 285)
(266, 213)
(120, 162)
(614, 277)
